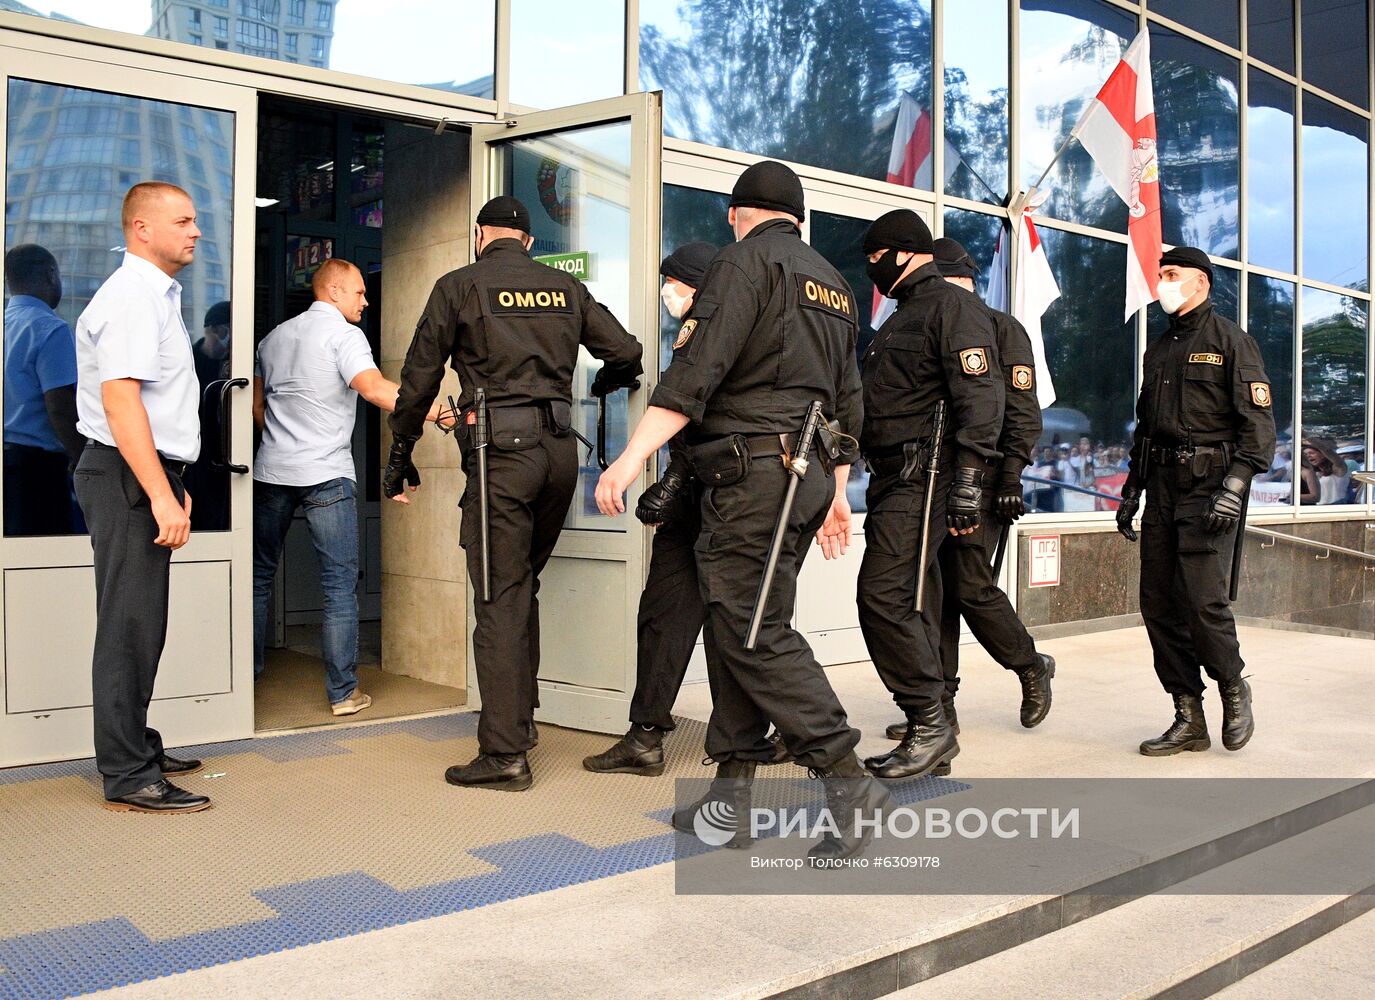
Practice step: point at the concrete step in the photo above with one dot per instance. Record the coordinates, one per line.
(1194, 941)
(1338, 964)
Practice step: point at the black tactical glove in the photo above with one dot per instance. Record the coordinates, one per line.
(1224, 506)
(1126, 510)
(966, 498)
(1009, 504)
(610, 378)
(400, 469)
(666, 502)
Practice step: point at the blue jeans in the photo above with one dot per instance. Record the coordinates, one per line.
(332, 517)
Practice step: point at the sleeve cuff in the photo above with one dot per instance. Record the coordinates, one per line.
(1012, 469)
(671, 399)
(1241, 470)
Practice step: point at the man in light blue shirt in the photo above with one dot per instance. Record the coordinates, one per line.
(310, 372)
(41, 439)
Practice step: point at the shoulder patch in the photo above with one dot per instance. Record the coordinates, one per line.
(1260, 394)
(529, 300)
(974, 361)
(813, 293)
(685, 333)
(1022, 377)
(1205, 359)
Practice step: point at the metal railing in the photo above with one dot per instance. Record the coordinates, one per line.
(1068, 486)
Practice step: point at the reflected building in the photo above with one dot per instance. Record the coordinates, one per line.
(294, 31)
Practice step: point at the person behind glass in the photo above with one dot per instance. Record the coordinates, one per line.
(1324, 475)
(207, 478)
(511, 326)
(965, 561)
(310, 372)
(1204, 427)
(938, 349)
(772, 332)
(41, 439)
(136, 405)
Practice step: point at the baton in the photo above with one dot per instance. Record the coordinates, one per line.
(797, 468)
(480, 435)
(601, 433)
(1000, 552)
(932, 467)
(1236, 550)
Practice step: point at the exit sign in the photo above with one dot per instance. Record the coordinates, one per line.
(578, 263)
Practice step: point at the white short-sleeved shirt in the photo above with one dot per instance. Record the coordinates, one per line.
(133, 329)
(306, 365)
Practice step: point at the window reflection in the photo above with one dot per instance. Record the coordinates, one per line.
(1270, 172)
(977, 233)
(688, 216)
(1336, 52)
(812, 81)
(976, 118)
(559, 60)
(1335, 197)
(1334, 397)
(64, 192)
(1270, 32)
(1270, 320)
(1220, 19)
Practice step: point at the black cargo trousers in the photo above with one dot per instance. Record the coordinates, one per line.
(1185, 572)
(781, 681)
(531, 475)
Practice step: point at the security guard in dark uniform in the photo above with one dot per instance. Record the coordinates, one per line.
(940, 345)
(1204, 427)
(966, 561)
(772, 330)
(512, 327)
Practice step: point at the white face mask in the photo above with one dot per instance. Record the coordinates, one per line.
(1172, 296)
(675, 304)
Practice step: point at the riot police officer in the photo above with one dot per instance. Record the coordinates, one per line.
(939, 348)
(772, 332)
(510, 327)
(1204, 427)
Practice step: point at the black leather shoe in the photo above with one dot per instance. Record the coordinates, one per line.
(849, 790)
(929, 743)
(640, 751)
(1238, 724)
(503, 772)
(726, 804)
(159, 797)
(1189, 731)
(172, 765)
(780, 749)
(1036, 690)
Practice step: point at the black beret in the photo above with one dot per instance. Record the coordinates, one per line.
(1188, 257)
(688, 263)
(769, 185)
(953, 260)
(506, 212)
(900, 229)
(217, 315)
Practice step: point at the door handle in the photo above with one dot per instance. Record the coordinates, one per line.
(233, 383)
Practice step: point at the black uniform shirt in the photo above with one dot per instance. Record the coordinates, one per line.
(512, 326)
(1203, 383)
(941, 343)
(1022, 413)
(773, 328)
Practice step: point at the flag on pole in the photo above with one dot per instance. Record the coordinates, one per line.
(1034, 290)
(1118, 130)
(909, 160)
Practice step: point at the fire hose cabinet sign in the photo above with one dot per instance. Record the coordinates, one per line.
(1043, 551)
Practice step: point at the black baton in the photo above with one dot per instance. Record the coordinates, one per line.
(1000, 551)
(797, 468)
(601, 433)
(1236, 549)
(481, 433)
(932, 468)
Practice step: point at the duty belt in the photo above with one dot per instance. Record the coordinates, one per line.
(171, 465)
(1183, 455)
(892, 460)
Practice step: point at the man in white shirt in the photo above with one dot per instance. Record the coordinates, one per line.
(310, 372)
(136, 404)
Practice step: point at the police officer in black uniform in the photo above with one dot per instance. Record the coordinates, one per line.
(510, 326)
(940, 344)
(966, 561)
(1204, 427)
(772, 330)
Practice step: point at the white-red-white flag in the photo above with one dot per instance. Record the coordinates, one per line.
(1118, 130)
(909, 159)
(1035, 288)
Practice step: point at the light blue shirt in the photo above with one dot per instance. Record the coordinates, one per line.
(306, 365)
(40, 356)
(133, 329)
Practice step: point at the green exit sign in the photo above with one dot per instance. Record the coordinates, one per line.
(578, 263)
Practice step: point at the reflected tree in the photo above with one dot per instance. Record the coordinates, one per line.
(1334, 378)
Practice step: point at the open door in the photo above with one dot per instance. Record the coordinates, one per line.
(590, 176)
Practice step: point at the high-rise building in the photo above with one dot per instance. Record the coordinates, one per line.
(295, 31)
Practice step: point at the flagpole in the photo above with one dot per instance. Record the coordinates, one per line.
(1073, 134)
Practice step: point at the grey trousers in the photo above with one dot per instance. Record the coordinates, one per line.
(131, 575)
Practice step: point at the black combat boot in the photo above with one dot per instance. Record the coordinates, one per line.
(1237, 721)
(639, 751)
(1188, 732)
(781, 754)
(1036, 690)
(849, 791)
(898, 730)
(929, 744)
(726, 804)
(503, 772)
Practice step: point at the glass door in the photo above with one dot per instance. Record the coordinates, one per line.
(77, 134)
(590, 178)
